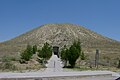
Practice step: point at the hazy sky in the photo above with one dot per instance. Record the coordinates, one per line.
(19, 16)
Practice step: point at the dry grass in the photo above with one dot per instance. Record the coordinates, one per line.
(64, 34)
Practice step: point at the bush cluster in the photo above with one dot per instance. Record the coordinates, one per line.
(26, 55)
(44, 53)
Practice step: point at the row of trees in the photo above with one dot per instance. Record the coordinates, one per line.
(72, 53)
(68, 54)
(26, 55)
(45, 52)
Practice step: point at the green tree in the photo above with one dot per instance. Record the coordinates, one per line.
(64, 55)
(77, 44)
(73, 55)
(34, 49)
(27, 54)
(45, 52)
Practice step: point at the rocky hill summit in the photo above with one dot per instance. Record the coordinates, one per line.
(60, 35)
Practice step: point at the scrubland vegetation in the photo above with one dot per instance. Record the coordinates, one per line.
(73, 57)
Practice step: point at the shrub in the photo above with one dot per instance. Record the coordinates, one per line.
(82, 56)
(118, 64)
(6, 63)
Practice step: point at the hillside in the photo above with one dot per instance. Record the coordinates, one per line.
(60, 35)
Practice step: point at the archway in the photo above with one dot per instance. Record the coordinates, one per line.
(56, 50)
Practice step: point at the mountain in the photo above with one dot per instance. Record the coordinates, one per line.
(60, 35)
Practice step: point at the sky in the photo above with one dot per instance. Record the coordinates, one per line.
(20, 16)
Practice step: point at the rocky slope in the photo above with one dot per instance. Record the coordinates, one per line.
(60, 35)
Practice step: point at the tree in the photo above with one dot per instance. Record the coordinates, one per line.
(77, 44)
(45, 52)
(64, 54)
(73, 55)
(34, 49)
(27, 53)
